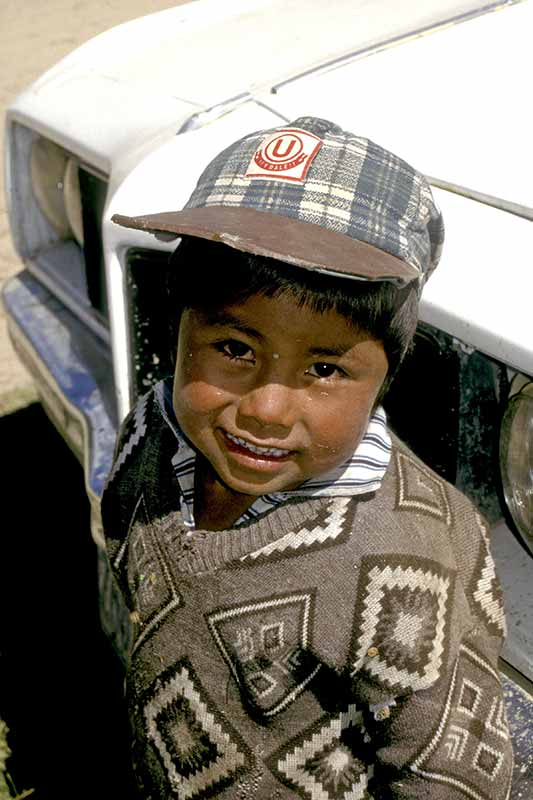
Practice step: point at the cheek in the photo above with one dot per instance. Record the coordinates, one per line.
(338, 429)
(197, 398)
(199, 387)
(338, 435)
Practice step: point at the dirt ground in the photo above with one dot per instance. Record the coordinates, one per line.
(33, 37)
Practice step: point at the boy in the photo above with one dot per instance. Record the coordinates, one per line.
(315, 612)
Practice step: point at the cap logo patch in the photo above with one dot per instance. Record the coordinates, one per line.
(285, 155)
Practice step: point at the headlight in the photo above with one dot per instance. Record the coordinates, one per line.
(48, 164)
(516, 460)
(71, 191)
(56, 186)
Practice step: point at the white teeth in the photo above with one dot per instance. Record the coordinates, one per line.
(262, 451)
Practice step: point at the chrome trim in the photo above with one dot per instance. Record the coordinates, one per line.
(116, 283)
(392, 42)
(201, 118)
(480, 197)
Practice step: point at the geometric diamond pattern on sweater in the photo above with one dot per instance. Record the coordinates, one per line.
(401, 620)
(199, 751)
(332, 523)
(485, 588)
(466, 750)
(328, 761)
(420, 491)
(266, 646)
(149, 576)
(133, 434)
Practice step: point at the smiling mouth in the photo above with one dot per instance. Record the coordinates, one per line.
(264, 452)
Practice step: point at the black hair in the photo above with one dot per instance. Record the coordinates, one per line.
(204, 275)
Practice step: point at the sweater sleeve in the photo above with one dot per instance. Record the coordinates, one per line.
(120, 498)
(450, 740)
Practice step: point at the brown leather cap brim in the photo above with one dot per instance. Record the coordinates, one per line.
(293, 241)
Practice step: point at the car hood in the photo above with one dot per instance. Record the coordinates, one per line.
(136, 84)
(454, 103)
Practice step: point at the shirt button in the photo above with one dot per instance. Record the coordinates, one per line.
(372, 652)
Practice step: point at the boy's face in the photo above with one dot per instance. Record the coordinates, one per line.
(272, 393)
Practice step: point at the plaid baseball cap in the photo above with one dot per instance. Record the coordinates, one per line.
(313, 195)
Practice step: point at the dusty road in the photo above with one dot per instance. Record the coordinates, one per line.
(34, 36)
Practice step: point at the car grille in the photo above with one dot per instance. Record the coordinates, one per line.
(152, 318)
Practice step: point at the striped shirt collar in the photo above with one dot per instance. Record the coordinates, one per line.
(363, 472)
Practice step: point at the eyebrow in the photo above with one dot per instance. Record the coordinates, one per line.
(335, 351)
(223, 319)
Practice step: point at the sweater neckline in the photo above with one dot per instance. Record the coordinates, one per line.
(292, 527)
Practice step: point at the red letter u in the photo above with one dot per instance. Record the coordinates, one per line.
(276, 152)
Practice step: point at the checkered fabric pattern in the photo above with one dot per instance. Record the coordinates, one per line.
(315, 196)
(353, 186)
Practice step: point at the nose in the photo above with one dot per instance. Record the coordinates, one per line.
(271, 407)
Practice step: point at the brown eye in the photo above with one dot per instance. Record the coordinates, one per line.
(324, 370)
(236, 350)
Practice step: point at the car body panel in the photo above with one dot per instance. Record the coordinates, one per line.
(147, 76)
(454, 103)
(138, 123)
(481, 292)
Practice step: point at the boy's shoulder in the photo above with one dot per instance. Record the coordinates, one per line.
(134, 435)
(143, 447)
(423, 506)
(432, 519)
(415, 487)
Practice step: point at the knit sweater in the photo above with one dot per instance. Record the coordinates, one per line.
(334, 648)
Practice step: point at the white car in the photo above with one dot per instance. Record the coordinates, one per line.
(126, 123)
